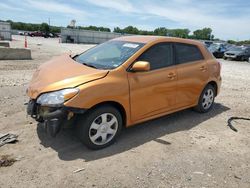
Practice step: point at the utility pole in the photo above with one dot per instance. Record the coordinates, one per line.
(49, 24)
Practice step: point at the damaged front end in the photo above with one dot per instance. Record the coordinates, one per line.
(52, 117)
(48, 108)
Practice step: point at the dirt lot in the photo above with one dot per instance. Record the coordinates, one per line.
(185, 149)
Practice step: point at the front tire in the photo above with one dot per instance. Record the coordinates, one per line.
(206, 99)
(99, 127)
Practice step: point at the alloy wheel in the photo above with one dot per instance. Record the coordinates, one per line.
(207, 99)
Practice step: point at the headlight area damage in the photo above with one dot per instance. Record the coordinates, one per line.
(48, 108)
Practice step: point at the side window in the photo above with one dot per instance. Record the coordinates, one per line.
(187, 53)
(159, 56)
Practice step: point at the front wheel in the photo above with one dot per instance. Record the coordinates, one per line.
(99, 127)
(206, 99)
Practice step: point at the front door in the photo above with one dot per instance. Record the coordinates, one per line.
(153, 92)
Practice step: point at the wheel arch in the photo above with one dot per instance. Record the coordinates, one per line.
(215, 86)
(117, 105)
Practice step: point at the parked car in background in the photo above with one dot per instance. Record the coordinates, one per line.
(217, 49)
(229, 46)
(207, 43)
(121, 83)
(238, 53)
(50, 35)
(20, 33)
(36, 34)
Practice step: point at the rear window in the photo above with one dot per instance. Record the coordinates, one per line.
(187, 53)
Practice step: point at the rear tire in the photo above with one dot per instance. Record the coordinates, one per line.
(206, 99)
(99, 127)
(242, 58)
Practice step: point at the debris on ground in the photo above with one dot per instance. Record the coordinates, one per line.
(78, 170)
(6, 160)
(229, 122)
(201, 173)
(7, 138)
(237, 177)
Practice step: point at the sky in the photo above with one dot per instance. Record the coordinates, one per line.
(229, 19)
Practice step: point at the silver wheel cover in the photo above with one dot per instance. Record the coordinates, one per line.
(103, 129)
(207, 99)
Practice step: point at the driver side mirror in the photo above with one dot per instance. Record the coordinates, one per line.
(140, 66)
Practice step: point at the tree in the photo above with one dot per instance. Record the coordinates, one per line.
(117, 30)
(181, 33)
(204, 34)
(144, 32)
(161, 31)
(131, 30)
(44, 27)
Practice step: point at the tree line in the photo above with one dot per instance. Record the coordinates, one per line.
(243, 42)
(203, 34)
(34, 27)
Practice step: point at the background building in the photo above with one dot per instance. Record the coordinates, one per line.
(69, 35)
(5, 31)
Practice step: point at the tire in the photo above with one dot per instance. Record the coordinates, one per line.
(206, 99)
(225, 58)
(242, 58)
(99, 127)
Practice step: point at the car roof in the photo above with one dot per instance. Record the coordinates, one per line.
(148, 39)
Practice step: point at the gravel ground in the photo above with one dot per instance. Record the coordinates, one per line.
(185, 149)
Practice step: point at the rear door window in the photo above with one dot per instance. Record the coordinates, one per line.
(159, 56)
(187, 53)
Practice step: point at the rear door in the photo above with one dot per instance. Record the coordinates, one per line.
(192, 71)
(154, 91)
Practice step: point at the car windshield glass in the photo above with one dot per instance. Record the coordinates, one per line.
(108, 55)
(237, 48)
(213, 47)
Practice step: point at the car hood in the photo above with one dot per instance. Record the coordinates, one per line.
(234, 52)
(59, 73)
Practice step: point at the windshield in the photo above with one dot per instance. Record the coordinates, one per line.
(213, 47)
(237, 48)
(108, 55)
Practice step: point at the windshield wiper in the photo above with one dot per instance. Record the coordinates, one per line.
(90, 65)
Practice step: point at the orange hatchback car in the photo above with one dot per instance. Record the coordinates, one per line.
(120, 83)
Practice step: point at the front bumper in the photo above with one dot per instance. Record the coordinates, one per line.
(53, 117)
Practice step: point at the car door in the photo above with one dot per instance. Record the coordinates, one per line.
(192, 71)
(154, 91)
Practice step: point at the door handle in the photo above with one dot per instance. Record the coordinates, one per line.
(171, 75)
(203, 68)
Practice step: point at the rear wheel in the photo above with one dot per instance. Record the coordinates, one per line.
(206, 99)
(99, 127)
(242, 58)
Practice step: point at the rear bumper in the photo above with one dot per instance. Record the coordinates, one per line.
(52, 117)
